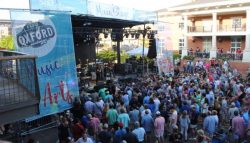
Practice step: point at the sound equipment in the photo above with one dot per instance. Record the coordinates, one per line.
(152, 49)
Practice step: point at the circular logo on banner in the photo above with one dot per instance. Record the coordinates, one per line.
(36, 38)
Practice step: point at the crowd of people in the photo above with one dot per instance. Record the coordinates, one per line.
(205, 102)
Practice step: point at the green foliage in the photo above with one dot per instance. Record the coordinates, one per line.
(189, 58)
(107, 55)
(176, 56)
(7, 42)
(124, 56)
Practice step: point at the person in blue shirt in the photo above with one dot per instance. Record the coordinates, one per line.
(210, 124)
(246, 116)
(147, 123)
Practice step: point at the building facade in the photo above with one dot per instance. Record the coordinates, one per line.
(214, 28)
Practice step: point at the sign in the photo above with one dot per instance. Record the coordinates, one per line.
(164, 49)
(165, 64)
(109, 11)
(4, 29)
(39, 37)
(93, 8)
(73, 6)
(52, 41)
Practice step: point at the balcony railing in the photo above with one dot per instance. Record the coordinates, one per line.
(230, 56)
(221, 28)
(199, 54)
(199, 28)
(18, 79)
(229, 28)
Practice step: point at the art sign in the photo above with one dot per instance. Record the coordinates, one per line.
(52, 41)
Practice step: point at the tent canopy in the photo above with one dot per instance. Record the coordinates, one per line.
(138, 51)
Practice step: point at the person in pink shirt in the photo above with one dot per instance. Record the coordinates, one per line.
(95, 124)
(159, 125)
(238, 126)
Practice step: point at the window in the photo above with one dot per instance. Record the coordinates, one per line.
(235, 44)
(161, 28)
(181, 25)
(181, 43)
(236, 23)
(161, 45)
(207, 44)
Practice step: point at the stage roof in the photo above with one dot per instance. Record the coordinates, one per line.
(101, 22)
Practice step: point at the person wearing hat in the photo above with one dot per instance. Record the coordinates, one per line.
(159, 125)
(139, 132)
(201, 137)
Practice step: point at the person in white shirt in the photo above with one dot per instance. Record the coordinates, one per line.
(84, 139)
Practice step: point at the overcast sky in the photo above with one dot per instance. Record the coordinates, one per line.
(149, 5)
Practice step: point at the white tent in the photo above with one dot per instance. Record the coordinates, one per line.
(138, 51)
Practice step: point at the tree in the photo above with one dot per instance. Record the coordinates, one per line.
(106, 55)
(124, 56)
(7, 42)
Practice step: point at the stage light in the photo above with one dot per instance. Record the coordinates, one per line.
(126, 34)
(132, 35)
(106, 35)
(96, 35)
(137, 35)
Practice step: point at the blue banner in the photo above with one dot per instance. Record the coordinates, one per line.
(49, 36)
(94, 8)
(73, 6)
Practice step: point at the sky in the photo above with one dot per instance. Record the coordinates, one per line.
(148, 5)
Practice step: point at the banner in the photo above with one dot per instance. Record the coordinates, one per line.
(164, 49)
(94, 8)
(109, 11)
(165, 64)
(49, 36)
(73, 6)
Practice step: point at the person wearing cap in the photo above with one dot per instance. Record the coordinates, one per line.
(147, 123)
(139, 132)
(159, 125)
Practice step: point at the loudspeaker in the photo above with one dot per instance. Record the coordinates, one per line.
(117, 35)
(152, 49)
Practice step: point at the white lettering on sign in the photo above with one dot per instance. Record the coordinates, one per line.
(110, 11)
